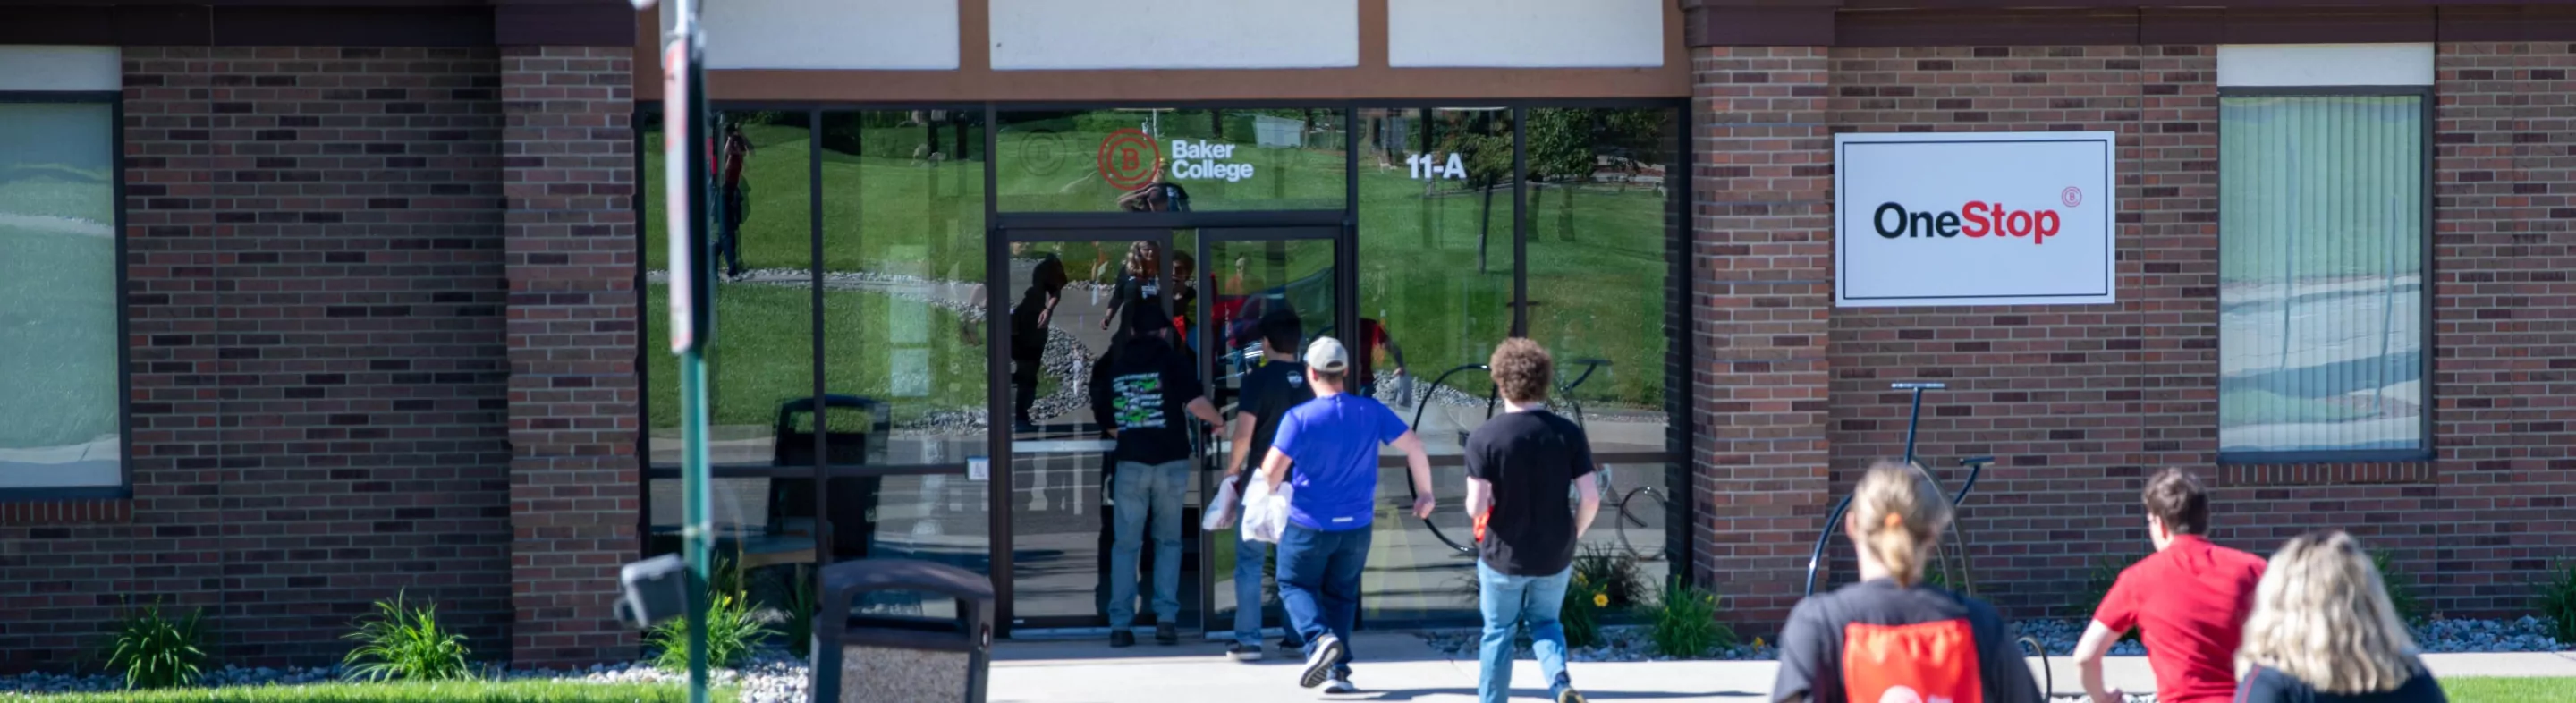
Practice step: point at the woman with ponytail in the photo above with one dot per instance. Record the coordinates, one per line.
(1890, 638)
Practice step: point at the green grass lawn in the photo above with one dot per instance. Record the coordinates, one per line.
(2509, 690)
(1597, 254)
(904, 352)
(532, 691)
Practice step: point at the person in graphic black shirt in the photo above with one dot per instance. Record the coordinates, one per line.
(1269, 392)
(1890, 637)
(1143, 390)
(1519, 465)
(2323, 631)
(1029, 325)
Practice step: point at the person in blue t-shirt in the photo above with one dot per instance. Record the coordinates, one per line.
(1331, 443)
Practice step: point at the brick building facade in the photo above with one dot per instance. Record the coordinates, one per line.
(382, 303)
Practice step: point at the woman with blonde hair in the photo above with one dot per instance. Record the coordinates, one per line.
(1890, 638)
(2323, 631)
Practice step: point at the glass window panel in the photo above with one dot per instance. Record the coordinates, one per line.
(2321, 273)
(903, 325)
(1103, 160)
(58, 298)
(1435, 294)
(1603, 229)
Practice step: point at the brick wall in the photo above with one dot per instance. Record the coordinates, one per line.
(1761, 257)
(315, 290)
(569, 174)
(2079, 402)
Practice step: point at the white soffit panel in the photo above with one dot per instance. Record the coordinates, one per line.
(1118, 34)
(1525, 33)
(2301, 65)
(831, 34)
(61, 68)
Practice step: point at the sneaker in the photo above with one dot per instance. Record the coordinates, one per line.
(1340, 683)
(1122, 637)
(1569, 695)
(1167, 635)
(1243, 652)
(1321, 662)
(1291, 644)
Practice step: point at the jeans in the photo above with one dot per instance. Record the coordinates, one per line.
(1143, 491)
(1249, 554)
(1508, 601)
(1319, 582)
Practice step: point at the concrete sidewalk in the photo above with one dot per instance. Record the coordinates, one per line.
(1398, 666)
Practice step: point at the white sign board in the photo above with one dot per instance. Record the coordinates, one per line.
(2015, 218)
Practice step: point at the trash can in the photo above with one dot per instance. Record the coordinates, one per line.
(878, 659)
(853, 498)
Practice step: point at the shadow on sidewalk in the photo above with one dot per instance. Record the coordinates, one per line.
(1370, 648)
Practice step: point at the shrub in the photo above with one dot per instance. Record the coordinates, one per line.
(2401, 586)
(733, 633)
(1683, 622)
(1616, 572)
(406, 643)
(1581, 613)
(800, 614)
(154, 651)
(2558, 602)
(2097, 585)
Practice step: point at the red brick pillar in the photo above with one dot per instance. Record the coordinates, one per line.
(1761, 260)
(568, 175)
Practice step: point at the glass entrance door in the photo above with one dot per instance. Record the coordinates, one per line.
(1245, 276)
(1066, 295)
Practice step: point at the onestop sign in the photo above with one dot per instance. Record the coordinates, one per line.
(2018, 218)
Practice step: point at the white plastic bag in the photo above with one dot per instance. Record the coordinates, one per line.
(1220, 512)
(1265, 514)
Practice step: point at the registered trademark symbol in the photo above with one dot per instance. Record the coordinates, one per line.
(2072, 196)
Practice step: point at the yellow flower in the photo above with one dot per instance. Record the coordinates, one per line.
(1578, 579)
(1600, 600)
(1757, 643)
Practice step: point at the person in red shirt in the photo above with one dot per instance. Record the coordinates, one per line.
(2190, 598)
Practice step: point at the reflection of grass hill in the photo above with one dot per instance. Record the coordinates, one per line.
(1597, 253)
(764, 350)
(57, 335)
(56, 191)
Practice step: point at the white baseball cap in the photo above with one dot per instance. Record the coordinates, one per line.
(1327, 355)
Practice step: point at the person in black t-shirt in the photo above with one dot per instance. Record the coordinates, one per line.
(1519, 465)
(1268, 394)
(2323, 631)
(1890, 637)
(1140, 395)
(1029, 323)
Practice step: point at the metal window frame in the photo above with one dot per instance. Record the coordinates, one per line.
(124, 488)
(2428, 104)
(1680, 473)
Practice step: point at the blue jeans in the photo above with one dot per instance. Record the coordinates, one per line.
(1143, 491)
(1319, 582)
(1507, 602)
(1249, 555)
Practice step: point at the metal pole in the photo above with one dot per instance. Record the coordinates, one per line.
(695, 536)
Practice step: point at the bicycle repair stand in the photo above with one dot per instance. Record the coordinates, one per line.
(1956, 533)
